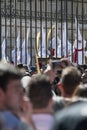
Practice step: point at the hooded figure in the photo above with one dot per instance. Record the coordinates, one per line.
(79, 45)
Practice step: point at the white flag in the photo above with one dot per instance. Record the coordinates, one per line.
(69, 51)
(64, 38)
(28, 31)
(13, 56)
(66, 44)
(23, 52)
(43, 49)
(3, 49)
(56, 45)
(28, 54)
(18, 48)
(78, 30)
(18, 40)
(60, 53)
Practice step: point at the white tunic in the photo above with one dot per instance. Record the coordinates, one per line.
(69, 51)
(79, 50)
(57, 47)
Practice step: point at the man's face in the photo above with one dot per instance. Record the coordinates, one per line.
(13, 95)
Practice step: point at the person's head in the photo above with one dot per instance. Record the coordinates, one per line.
(23, 68)
(65, 62)
(10, 87)
(70, 79)
(52, 70)
(84, 77)
(80, 69)
(81, 91)
(33, 70)
(40, 92)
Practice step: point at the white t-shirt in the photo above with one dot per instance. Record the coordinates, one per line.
(43, 121)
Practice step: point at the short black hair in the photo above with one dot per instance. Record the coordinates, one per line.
(40, 91)
(20, 66)
(8, 72)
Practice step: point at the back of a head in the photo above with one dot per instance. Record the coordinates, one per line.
(22, 68)
(70, 79)
(40, 91)
(81, 91)
(65, 62)
(8, 72)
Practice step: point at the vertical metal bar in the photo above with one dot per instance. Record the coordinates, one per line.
(30, 49)
(5, 28)
(51, 27)
(10, 28)
(35, 20)
(41, 26)
(66, 29)
(46, 24)
(77, 28)
(15, 22)
(21, 29)
(0, 29)
(72, 27)
(25, 33)
(56, 28)
(83, 58)
(61, 29)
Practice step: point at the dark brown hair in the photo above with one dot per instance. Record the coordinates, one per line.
(70, 79)
(40, 91)
(8, 72)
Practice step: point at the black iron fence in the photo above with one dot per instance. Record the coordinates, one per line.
(55, 28)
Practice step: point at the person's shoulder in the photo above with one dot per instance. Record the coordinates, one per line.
(9, 120)
(60, 103)
(10, 115)
(24, 126)
(74, 116)
(71, 111)
(13, 122)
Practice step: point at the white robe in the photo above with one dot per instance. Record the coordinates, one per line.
(59, 53)
(79, 53)
(69, 51)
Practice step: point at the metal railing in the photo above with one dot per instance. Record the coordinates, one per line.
(20, 24)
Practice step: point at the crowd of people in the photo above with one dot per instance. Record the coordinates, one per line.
(55, 99)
